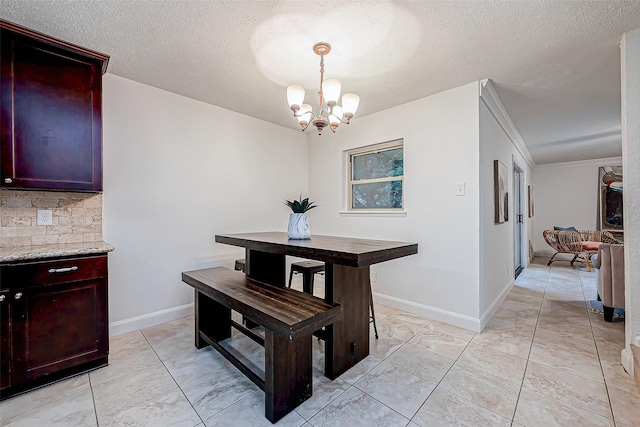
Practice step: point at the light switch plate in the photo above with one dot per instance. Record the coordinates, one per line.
(43, 217)
(460, 189)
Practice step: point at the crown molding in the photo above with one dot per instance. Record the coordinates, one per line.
(605, 161)
(490, 97)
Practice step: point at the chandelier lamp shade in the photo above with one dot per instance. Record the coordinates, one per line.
(330, 113)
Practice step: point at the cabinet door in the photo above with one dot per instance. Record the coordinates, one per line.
(51, 117)
(5, 340)
(58, 327)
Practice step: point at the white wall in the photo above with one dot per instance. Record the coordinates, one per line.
(440, 134)
(176, 172)
(497, 240)
(566, 195)
(630, 54)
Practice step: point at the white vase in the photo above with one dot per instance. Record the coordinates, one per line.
(299, 227)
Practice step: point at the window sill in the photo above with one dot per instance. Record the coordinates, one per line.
(394, 214)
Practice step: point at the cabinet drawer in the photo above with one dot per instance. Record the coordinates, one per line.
(54, 272)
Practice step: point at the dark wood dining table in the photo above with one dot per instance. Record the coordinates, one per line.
(347, 261)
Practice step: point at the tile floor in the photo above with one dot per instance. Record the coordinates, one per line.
(545, 359)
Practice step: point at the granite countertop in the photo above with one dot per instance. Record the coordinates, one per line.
(22, 253)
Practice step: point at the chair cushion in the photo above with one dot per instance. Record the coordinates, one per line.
(555, 227)
(590, 246)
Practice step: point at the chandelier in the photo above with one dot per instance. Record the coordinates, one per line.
(330, 115)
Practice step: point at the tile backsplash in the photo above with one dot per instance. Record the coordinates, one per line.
(76, 217)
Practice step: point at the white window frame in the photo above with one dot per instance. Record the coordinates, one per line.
(350, 182)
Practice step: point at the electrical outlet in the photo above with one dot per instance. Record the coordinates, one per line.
(373, 276)
(43, 217)
(460, 189)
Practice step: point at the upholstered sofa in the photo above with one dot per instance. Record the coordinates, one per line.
(581, 243)
(610, 264)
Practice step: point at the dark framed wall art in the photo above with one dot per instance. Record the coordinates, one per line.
(501, 192)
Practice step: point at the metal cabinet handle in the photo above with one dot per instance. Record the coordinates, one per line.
(18, 295)
(63, 270)
(2, 298)
(8, 180)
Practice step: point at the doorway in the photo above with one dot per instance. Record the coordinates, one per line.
(518, 223)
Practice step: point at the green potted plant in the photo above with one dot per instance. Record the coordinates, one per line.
(299, 227)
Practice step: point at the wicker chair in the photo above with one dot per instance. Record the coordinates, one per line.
(581, 244)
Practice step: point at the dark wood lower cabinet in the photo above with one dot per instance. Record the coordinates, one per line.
(54, 321)
(5, 341)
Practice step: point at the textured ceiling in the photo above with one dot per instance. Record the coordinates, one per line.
(555, 64)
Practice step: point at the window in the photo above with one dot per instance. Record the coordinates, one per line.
(376, 177)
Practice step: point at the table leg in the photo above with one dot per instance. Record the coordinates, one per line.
(266, 267)
(347, 340)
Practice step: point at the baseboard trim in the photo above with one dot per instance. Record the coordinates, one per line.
(486, 317)
(455, 319)
(150, 319)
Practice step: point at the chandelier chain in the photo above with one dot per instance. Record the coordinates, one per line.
(321, 79)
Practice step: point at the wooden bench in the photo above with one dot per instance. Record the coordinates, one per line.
(289, 319)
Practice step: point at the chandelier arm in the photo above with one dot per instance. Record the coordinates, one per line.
(342, 121)
(313, 116)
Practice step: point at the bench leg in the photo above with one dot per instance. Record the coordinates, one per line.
(211, 318)
(288, 374)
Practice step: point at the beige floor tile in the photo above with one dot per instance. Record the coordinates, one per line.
(383, 310)
(214, 392)
(425, 364)
(621, 382)
(518, 318)
(170, 409)
(116, 396)
(566, 326)
(175, 345)
(127, 354)
(360, 369)
(554, 305)
(576, 356)
(521, 294)
(43, 396)
(384, 346)
(530, 305)
(396, 388)
(324, 391)
(502, 365)
(356, 408)
(249, 411)
(159, 333)
(73, 410)
(481, 388)
(569, 388)
(443, 409)
(442, 344)
(515, 340)
(397, 326)
(403, 316)
(196, 364)
(626, 405)
(535, 409)
(454, 331)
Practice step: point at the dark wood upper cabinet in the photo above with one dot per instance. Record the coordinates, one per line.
(51, 100)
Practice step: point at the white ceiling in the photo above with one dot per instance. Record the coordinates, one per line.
(555, 64)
